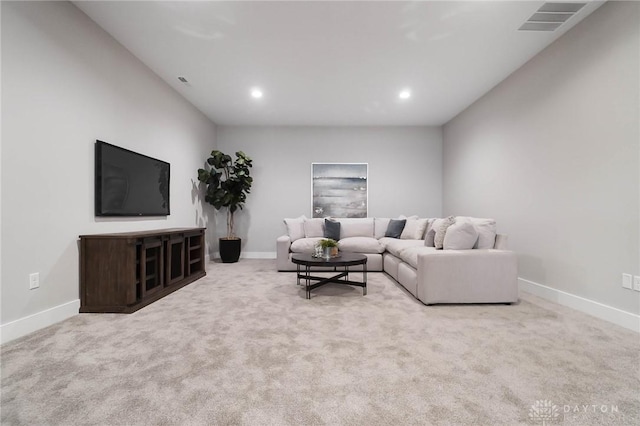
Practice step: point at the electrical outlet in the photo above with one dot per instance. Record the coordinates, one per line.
(626, 281)
(636, 283)
(34, 281)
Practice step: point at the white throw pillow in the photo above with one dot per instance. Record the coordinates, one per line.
(313, 228)
(486, 231)
(414, 229)
(441, 230)
(360, 245)
(295, 227)
(462, 235)
(380, 225)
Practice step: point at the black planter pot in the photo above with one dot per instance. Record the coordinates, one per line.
(229, 250)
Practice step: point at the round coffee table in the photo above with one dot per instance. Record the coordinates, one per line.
(344, 260)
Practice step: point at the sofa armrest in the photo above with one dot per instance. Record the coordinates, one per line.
(502, 242)
(283, 245)
(468, 276)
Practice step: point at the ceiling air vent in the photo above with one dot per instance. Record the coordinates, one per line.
(550, 16)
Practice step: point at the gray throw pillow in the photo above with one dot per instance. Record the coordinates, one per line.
(429, 239)
(438, 240)
(332, 229)
(394, 230)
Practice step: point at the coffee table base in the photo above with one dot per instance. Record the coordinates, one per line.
(336, 279)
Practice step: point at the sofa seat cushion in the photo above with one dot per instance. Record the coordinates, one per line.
(305, 245)
(360, 245)
(395, 246)
(410, 254)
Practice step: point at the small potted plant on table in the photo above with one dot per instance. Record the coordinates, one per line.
(329, 247)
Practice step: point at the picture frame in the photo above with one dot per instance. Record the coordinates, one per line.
(339, 190)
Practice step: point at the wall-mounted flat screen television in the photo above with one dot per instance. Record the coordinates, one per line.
(130, 184)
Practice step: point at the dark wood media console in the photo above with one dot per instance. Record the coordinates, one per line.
(123, 272)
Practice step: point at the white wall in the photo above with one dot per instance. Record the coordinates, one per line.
(405, 169)
(553, 154)
(65, 84)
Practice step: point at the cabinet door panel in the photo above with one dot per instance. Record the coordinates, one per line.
(109, 272)
(151, 266)
(175, 259)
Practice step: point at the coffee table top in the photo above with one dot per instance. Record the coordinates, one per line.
(345, 259)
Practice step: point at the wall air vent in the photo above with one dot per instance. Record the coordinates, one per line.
(550, 16)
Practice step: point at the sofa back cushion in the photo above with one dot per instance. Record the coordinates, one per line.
(295, 227)
(313, 228)
(356, 227)
(380, 225)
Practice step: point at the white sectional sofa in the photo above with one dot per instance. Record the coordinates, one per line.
(471, 265)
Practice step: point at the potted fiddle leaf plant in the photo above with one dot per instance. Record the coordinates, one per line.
(227, 184)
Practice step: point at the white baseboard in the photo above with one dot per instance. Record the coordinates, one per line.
(596, 309)
(252, 255)
(258, 255)
(23, 326)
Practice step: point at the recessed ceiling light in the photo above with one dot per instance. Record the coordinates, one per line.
(256, 93)
(404, 94)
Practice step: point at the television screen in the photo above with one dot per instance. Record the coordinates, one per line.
(130, 184)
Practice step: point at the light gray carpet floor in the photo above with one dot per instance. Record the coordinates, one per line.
(242, 346)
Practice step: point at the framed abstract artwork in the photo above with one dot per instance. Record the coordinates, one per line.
(339, 189)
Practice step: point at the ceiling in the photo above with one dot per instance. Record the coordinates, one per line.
(329, 63)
